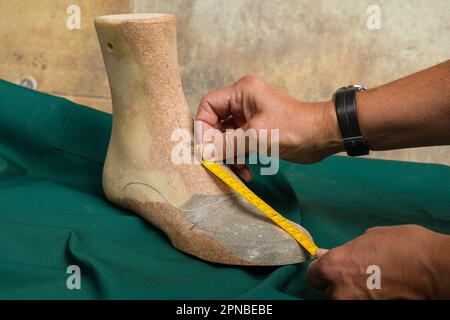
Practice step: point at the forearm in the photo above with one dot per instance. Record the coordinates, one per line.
(411, 112)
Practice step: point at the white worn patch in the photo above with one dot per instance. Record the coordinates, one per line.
(253, 253)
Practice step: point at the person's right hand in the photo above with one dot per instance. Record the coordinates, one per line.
(411, 263)
(308, 132)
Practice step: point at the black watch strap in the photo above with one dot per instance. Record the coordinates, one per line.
(345, 103)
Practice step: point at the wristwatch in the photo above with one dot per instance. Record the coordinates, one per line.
(345, 103)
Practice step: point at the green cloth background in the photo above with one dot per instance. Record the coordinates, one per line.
(53, 213)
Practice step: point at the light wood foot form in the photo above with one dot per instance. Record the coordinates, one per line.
(199, 214)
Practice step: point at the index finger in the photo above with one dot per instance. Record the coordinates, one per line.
(214, 108)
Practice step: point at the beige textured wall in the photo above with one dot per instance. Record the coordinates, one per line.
(35, 42)
(307, 48)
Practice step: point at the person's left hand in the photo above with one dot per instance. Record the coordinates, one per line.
(412, 264)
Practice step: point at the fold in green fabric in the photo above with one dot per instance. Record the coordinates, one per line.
(53, 213)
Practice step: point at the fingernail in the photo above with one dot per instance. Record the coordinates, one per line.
(243, 178)
(240, 175)
(208, 152)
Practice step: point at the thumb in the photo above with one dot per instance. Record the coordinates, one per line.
(314, 275)
(231, 144)
(243, 171)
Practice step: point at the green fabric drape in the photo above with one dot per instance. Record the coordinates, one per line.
(53, 213)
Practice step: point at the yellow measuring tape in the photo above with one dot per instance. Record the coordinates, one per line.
(247, 194)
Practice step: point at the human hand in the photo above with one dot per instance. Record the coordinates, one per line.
(308, 132)
(413, 261)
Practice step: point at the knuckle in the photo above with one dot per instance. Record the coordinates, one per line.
(414, 227)
(204, 100)
(409, 227)
(377, 229)
(251, 81)
(371, 229)
(334, 257)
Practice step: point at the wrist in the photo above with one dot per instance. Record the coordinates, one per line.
(314, 132)
(331, 141)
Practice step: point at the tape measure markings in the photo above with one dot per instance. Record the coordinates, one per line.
(256, 201)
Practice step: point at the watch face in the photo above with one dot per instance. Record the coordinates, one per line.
(358, 87)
